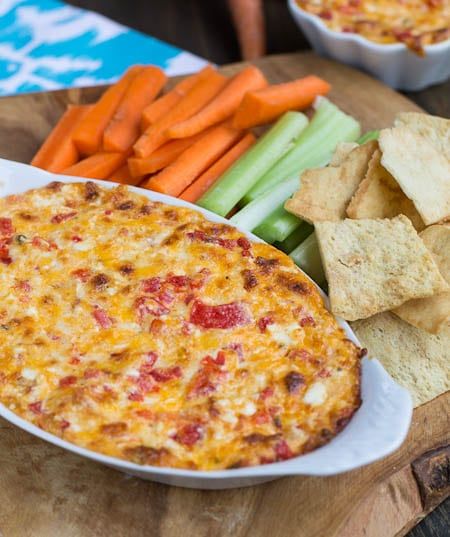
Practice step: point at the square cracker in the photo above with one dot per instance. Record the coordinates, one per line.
(375, 265)
(433, 313)
(421, 171)
(325, 192)
(379, 196)
(415, 359)
(435, 129)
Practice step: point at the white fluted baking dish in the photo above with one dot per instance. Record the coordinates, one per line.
(394, 63)
(377, 428)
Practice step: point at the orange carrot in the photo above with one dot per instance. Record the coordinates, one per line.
(161, 106)
(163, 156)
(194, 161)
(210, 176)
(223, 106)
(158, 108)
(98, 166)
(89, 132)
(122, 175)
(248, 18)
(58, 150)
(265, 105)
(204, 90)
(123, 129)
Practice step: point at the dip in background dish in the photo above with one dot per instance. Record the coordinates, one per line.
(416, 23)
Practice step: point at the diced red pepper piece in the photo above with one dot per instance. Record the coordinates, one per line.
(151, 285)
(147, 366)
(189, 434)
(36, 407)
(283, 451)
(264, 322)
(58, 218)
(165, 374)
(102, 318)
(6, 227)
(67, 381)
(222, 316)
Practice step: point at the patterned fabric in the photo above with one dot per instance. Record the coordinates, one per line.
(46, 44)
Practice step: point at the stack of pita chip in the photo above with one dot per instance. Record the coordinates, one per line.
(381, 213)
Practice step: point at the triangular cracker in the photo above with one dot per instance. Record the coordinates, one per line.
(435, 129)
(433, 313)
(341, 152)
(375, 265)
(415, 359)
(379, 196)
(325, 192)
(421, 171)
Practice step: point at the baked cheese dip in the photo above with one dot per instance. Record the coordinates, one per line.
(146, 332)
(416, 23)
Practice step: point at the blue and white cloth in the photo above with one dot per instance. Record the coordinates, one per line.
(46, 45)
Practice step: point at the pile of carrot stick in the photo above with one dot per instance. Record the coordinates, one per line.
(178, 143)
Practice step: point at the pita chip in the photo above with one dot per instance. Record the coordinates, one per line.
(375, 265)
(433, 128)
(341, 152)
(325, 192)
(421, 171)
(433, 313)
(415, 359)
(379, 196)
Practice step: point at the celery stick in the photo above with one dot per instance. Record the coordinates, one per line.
(368, 136)
(258, 210)
(341, 128)
(307, 257)
(277, 226)
(246, 172)
(299, 234)
(313, 147)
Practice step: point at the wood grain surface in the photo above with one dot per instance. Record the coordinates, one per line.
(45, 491)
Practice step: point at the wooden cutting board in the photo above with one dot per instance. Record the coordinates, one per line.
(46, 492)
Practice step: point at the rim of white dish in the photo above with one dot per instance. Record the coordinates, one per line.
(276, 469)
(358, 38)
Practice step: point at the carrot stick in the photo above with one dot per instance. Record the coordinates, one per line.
(123, 129)
(163, 156)
(223, 106)
(161, 106)
(265, 105)
(58, 150)
(158, 108)
(210, 176)
(122, 175)
(88, 134)
(248, 18)
(98, 166)
(194, 161)
(204, 90)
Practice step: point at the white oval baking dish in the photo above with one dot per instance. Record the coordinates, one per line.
(394, 63)
(377, 429)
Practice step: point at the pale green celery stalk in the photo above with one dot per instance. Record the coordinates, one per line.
(368, 137)
(255, 162)
(277, 226)
(341, 128)
(299, 234)
(312, 148)
(253, 214)
(307, 257)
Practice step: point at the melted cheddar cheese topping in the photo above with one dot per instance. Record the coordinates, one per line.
(146, 332)
(416, 23)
